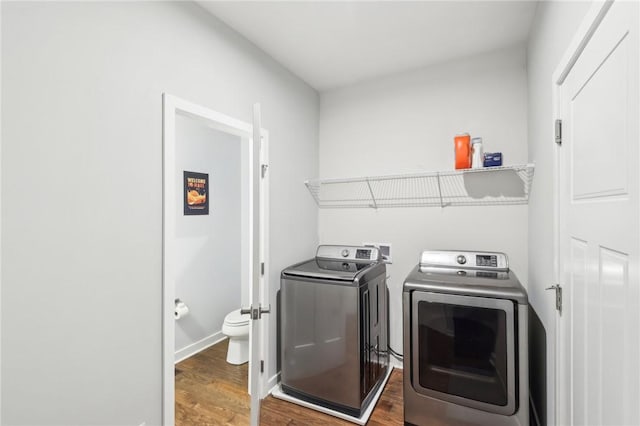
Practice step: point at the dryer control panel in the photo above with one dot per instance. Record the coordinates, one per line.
(493, 261)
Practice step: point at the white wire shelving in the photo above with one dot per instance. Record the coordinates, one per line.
(469, 187)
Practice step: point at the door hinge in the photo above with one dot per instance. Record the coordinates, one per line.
(262, 366)
(263, 171)
(558, 290)
(559, 132)
(262, 268)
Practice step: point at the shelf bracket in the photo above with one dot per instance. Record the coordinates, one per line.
(373, 198)
(440, 190)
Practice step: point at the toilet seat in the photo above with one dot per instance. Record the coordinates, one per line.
(236, 319)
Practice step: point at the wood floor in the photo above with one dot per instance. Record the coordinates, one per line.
(209, 391)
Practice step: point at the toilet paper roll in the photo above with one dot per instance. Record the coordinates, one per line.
(181, 310)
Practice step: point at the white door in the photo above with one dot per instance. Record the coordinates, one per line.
(599, 228)
(257, 267)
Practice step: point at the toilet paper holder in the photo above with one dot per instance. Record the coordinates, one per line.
(181, 309)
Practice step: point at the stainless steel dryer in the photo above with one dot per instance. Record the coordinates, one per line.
(465, 341)
(333, 330)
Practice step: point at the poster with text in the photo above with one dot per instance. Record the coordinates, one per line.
(196, 193)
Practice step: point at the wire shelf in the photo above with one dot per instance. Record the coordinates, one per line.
(468, 187)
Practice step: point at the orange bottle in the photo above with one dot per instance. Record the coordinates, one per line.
(462, 144)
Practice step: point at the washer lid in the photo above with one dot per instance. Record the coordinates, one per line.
(328, 269)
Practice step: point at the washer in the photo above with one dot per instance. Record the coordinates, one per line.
(333, 329)
(465, 341)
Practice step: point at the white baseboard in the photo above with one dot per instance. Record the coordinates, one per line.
(200, 345)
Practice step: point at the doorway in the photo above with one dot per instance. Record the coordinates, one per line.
(214, 241)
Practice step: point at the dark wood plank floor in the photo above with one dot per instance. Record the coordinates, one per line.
(209, 391)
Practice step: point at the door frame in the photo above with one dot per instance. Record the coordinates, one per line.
(172, 106)
(0, 218)
(590, 23)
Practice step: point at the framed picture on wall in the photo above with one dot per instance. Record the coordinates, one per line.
(196, 193)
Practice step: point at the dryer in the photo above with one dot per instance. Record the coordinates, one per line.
(465, 341)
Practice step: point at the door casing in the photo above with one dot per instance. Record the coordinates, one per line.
(171, 106)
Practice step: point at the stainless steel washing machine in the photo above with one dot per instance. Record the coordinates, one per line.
(465, 341)
(333, 329)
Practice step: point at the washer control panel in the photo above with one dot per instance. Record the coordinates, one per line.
(353, 253)
(465, 259)
(490, 260)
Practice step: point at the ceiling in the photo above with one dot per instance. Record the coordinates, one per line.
(330, 44)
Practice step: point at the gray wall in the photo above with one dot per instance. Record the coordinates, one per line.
(406, 123)
(208, 247)
(82, 193)
(553, 27)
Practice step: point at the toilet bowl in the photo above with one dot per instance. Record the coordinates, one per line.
(236, 327)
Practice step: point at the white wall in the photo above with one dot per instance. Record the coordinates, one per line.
(81, 250)
(552, 30)
(208, 247)
(406, 123)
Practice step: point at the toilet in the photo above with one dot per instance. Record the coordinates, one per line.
(236, 327)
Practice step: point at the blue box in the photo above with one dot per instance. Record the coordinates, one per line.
(492, 159)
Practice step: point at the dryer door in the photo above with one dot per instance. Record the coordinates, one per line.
(464, 350)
